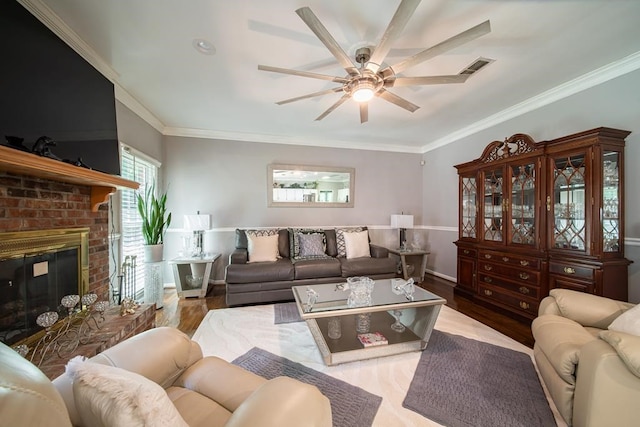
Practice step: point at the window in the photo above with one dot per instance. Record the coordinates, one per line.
(135, 167)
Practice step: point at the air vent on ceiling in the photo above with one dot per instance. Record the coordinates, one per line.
(477, 65)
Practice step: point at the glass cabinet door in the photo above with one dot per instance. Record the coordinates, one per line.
(468, 207)
(610, 202)
(493, 206)
(568, 202)
(523, 204)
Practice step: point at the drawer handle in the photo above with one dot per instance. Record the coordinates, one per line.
(524, 290)
(488, 279)
(488, 267)
(524, 276)
(524, 305)
(570, 270)
(524, 262)
(488, 292)
(487, 256)
(505, 259)
(466, 251)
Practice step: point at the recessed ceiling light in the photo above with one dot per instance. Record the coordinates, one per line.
(204, 46)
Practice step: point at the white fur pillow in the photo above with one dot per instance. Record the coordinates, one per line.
(262, 248)
(110, 396)
(357, 244)
(628, 322)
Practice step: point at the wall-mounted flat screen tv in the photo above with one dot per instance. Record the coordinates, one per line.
(48, 90)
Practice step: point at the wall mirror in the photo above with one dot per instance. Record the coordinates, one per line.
(310, 186)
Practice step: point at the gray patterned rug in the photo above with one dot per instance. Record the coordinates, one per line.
(463, 382)
(286, 313)
(351, 406)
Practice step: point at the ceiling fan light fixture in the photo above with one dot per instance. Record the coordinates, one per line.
(363, 92)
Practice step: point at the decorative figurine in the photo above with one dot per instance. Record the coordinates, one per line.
(42, 147)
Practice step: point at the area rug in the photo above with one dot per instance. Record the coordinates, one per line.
(461, 382)
(230, 333)
(286, 313)
(351, 406)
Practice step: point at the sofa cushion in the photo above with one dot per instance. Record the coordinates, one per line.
(357, 244)
(316, 268)
(281, 269)
(283, 240)
(560, 339)
(332, 248)
(627, 346)
(367, 266)
(341, 248)
(262, 248)
(110, 396)
(628, 322)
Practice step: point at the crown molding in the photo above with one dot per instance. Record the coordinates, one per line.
(586, 81)
(285, 139)
(64, 32)
(134, 105)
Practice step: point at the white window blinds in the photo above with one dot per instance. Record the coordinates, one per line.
(135, 168)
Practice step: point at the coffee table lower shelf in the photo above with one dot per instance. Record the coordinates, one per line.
(348, 348)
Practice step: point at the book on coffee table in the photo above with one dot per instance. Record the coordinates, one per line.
(372, 338)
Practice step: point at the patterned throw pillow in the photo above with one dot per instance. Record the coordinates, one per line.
(342, 249)
(294, 241)
(263, 232)
(311, 245)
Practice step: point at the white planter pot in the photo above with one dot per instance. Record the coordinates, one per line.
(153, 253)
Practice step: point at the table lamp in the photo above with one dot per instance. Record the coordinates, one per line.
(402, 222)
(198, 224)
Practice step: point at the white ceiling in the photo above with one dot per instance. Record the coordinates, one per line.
(543, 50)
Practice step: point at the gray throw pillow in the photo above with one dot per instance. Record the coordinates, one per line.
(311, 244)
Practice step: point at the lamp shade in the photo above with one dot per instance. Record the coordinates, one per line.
(402, 221)
(197, 222)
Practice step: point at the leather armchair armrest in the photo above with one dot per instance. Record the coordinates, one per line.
(586, 309)
(299, 405)
(239, 256)
(378, 251)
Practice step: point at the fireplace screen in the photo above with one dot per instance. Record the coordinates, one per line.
(36, 270)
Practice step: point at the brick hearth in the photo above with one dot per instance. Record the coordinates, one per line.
(28, 203)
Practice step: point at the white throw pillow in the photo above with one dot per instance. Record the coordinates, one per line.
(110, 396)
(357, 244)
(262, 248)
(628, 322)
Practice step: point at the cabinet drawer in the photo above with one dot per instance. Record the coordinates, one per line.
(524, 289)
(522, 305)
(517, 274)
(568, 283)
(510, 259)
(572, 270)
(467, 252)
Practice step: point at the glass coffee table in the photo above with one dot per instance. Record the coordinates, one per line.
(404, 322)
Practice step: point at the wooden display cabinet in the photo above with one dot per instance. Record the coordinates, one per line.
(534, 216)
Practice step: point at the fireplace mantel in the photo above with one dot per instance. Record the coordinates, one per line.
(102, 184)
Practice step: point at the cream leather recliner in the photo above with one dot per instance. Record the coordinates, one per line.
(206, 391)
(592, 374)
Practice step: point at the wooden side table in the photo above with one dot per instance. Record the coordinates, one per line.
(414, 257)
(192, 275)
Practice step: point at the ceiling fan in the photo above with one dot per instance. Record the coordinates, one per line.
(368, 78)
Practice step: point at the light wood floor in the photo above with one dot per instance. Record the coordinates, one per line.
(186, 314)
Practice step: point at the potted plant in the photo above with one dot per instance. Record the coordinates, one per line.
(155, 221)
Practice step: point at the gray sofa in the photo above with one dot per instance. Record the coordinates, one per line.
(264, 282)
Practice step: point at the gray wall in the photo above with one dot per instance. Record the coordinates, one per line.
(613, 104)
(228, 180)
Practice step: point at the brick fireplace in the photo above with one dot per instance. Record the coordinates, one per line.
(30, 203)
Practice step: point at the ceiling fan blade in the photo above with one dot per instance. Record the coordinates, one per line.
(428, 80)
(311, 95)
(333, 107)
(364, 112)
(395, 99)
(325, 37)
(302, 73)
(451, 43)
(398, 22)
